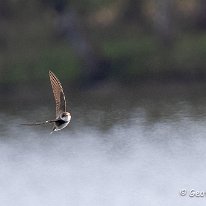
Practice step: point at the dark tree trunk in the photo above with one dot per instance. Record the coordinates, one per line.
(164, 21)
(201, 15)
(133, 11)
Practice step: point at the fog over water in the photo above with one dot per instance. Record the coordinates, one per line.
(134, 153)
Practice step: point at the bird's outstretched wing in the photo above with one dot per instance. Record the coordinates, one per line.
(38, 123)
(33, 124)
(58, 94)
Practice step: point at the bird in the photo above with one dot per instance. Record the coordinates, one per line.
(62, 116)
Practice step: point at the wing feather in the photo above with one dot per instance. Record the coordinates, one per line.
(58, 94)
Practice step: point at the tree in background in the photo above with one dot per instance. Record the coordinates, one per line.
(69, 25)
(163, 20)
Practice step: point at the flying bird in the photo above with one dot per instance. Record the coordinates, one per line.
(62, 116)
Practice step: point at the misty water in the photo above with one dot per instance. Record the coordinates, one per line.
(135, 147)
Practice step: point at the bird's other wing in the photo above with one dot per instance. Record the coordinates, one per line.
(58, 94)
(38, 123)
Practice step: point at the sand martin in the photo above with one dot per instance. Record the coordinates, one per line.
(62, 116)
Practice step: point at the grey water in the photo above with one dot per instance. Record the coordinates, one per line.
(120, 149)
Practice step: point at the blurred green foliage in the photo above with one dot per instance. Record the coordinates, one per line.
(30, 45)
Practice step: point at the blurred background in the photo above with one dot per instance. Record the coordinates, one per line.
(87, 42)
(133, 72)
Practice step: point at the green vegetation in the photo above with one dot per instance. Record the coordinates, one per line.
(30, 44)
(131, 59)
(145, 58)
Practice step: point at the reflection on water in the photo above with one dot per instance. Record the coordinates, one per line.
(128, 149)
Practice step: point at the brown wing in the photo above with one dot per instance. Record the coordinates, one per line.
(58, 94)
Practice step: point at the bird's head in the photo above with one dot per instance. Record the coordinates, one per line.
(65, 116)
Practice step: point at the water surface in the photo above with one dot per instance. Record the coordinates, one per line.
(134, 147)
